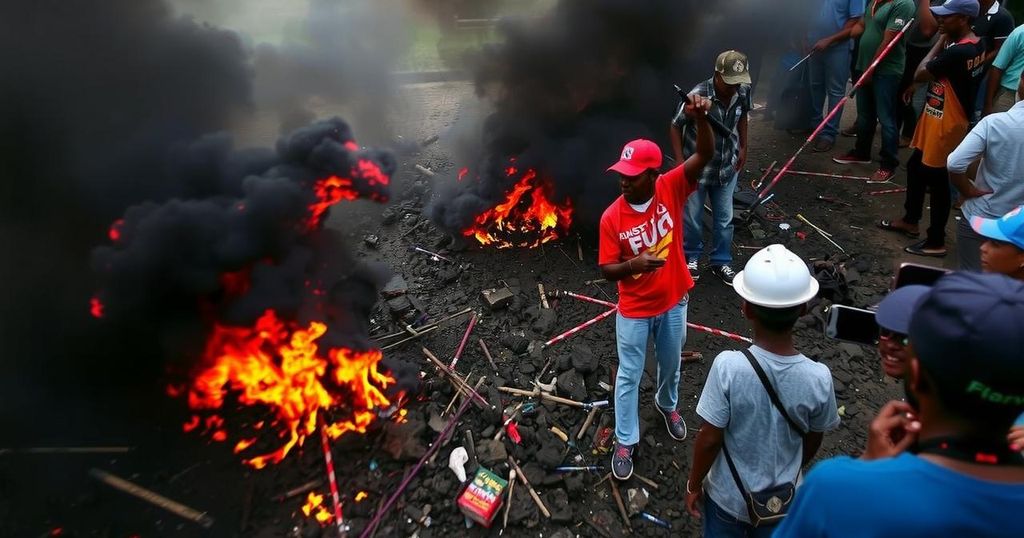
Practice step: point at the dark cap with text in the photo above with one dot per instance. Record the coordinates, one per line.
(968, 334)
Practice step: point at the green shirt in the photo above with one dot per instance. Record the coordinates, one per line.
(879, 17)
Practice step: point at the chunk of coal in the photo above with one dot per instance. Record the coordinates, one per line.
(572, 386)
(449, 274)
(402, 441)
(583, 359)
(516, 344)
(558, 504)
(561, 533)
(399, 306)
(551, 447)
(497, 298)
(534, 473)
(523, 510)
(395, 287)
(545, 322)
(574, 485)
(489, 452)
(388, 217)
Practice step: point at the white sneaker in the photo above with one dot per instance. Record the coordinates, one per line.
(692, 266)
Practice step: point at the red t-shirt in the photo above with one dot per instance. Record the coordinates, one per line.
(625, 232)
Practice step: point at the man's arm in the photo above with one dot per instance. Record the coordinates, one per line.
(841, 36)
(812, 442)
(709, 443)
(644, 263)
(696, 108)
(923, 74)
(995, 78)
(972, 147)
(926, 23)
(741, 129)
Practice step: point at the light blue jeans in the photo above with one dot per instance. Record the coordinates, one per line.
(829, 71)
(669, 330)
(721, 222)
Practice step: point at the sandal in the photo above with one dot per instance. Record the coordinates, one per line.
(888, 226)
(919, 249)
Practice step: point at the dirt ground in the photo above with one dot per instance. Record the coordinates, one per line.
(207, 476)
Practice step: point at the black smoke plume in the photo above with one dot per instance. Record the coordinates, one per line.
(105, 106)
(245, 242)
(567, 90)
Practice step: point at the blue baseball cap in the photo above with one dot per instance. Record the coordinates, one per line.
(957, 7)
(1009, 228)
(968, 335)
(895, 311)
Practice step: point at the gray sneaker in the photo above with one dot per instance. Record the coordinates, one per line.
(674, 423)
(622, 461)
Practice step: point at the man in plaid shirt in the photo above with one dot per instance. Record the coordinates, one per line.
(729, 92)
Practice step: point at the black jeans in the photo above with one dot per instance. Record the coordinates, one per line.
(908, 112)
(922, 178)
(876, 104)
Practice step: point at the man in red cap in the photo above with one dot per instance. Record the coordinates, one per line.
(641, 248)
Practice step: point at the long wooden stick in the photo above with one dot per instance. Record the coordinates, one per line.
(526, 483)
(153, 498)
(487, 353)
(456, 380)
(620, 504)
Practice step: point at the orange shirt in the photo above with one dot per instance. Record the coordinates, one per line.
(659, 230)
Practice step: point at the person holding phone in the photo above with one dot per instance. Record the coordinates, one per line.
(641, 248)
(937, 464)
(893, 319)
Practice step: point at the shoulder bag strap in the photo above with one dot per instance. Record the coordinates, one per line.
(732, 469)
(771, 391)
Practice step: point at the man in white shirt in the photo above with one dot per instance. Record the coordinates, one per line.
(999, 186)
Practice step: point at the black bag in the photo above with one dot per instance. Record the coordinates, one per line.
(769, 506)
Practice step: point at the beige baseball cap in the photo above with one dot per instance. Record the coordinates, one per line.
(734, 67)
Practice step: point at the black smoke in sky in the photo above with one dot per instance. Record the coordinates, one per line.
(106, 106)
(569, 89)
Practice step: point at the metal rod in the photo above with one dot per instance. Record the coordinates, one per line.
(757, 184)
(462, 344)
(825, 174)
(153, 498)
(804, 220)
(802, 60)
(434, 254)
(835, 110)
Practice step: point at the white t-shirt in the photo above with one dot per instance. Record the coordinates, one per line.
(764, 448)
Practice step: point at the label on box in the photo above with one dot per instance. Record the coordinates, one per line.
(482, 497)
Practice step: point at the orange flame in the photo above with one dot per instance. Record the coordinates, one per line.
(463, 172)
(314, 507)
(527, 218)
(282, 368)
(329, 192)
(361, 496)
(114, 233)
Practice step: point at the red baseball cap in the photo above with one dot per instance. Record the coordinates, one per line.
(637, 157)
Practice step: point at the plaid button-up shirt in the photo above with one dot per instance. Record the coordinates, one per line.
(722, 167)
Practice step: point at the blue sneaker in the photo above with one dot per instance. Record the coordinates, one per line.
(622, 461)
(674, 423)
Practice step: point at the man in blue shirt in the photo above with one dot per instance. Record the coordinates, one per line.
(830, 65)
(965, 387)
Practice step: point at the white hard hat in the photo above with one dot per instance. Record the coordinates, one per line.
(776, 278)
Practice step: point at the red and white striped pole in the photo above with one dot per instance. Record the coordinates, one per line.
(342, 528)
(839, 106)
(719, 332)
(579, 328)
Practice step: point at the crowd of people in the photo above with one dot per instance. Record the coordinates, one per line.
(947, 459)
